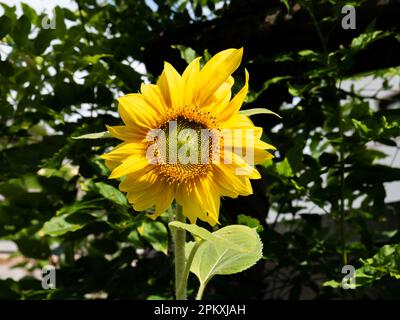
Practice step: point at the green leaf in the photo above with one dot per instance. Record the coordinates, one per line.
(83, 206)
(360, 127)
(130, 77)
(93, 59)
(193, 229)
(250, 222)
(43, 40)
(252, 112)
(284, 169)
(59, 225)
(212, 258)
(286, 3)
(5, 26)
(331, 283)
(135, 239)
(21, 30)
(386, 262)
(29, 12)
(60, 23)
(202, 233)
(365, 39)
(109, 192)
(187, 54)
(295, 92)
(97, 135)
(156, 234)
(69, 15)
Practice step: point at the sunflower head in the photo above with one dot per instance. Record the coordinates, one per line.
(184, 139)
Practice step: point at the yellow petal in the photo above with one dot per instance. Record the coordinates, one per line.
(165, 198)
(132, 182)
(112, 164)
(237, 121)
(143, 199)
(130, 165)
(189, 80)
(227, 178)
(124, 133)
(216, 72)
(260, 156)
(210, 199)
(124, 150)
(221, 97)
(191, 204)
(170, 84)
(215, 179)
(244, 138)
(234, 105)
(137, 113)
(152, 95)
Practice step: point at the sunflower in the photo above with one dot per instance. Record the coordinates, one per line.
(185, 139)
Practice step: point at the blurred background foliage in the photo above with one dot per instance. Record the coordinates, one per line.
(58, 206)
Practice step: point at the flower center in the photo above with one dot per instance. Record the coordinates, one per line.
(184, 149)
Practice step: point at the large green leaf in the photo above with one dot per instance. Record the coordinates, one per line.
(60, 225)
(204, 234)
(214, 258)
(193, 229)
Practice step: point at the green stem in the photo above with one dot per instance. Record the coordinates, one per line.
(199, 295)
(171, 215)
(189, 263)
(179, 251)
(341, 177)
(310, 9)
(342, 191)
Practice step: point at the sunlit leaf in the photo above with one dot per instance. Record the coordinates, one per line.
(212, 258)
(97, 135)
(252, 112)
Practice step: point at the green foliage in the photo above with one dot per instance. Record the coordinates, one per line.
(187, 54)
(195, 230)
(228, 250)
(58, 87)
(250, 222)
(156, 234)
(386, 262)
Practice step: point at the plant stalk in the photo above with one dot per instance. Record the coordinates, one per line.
(341, 177)
(189, 263)
(199, 295)
(179, 253)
